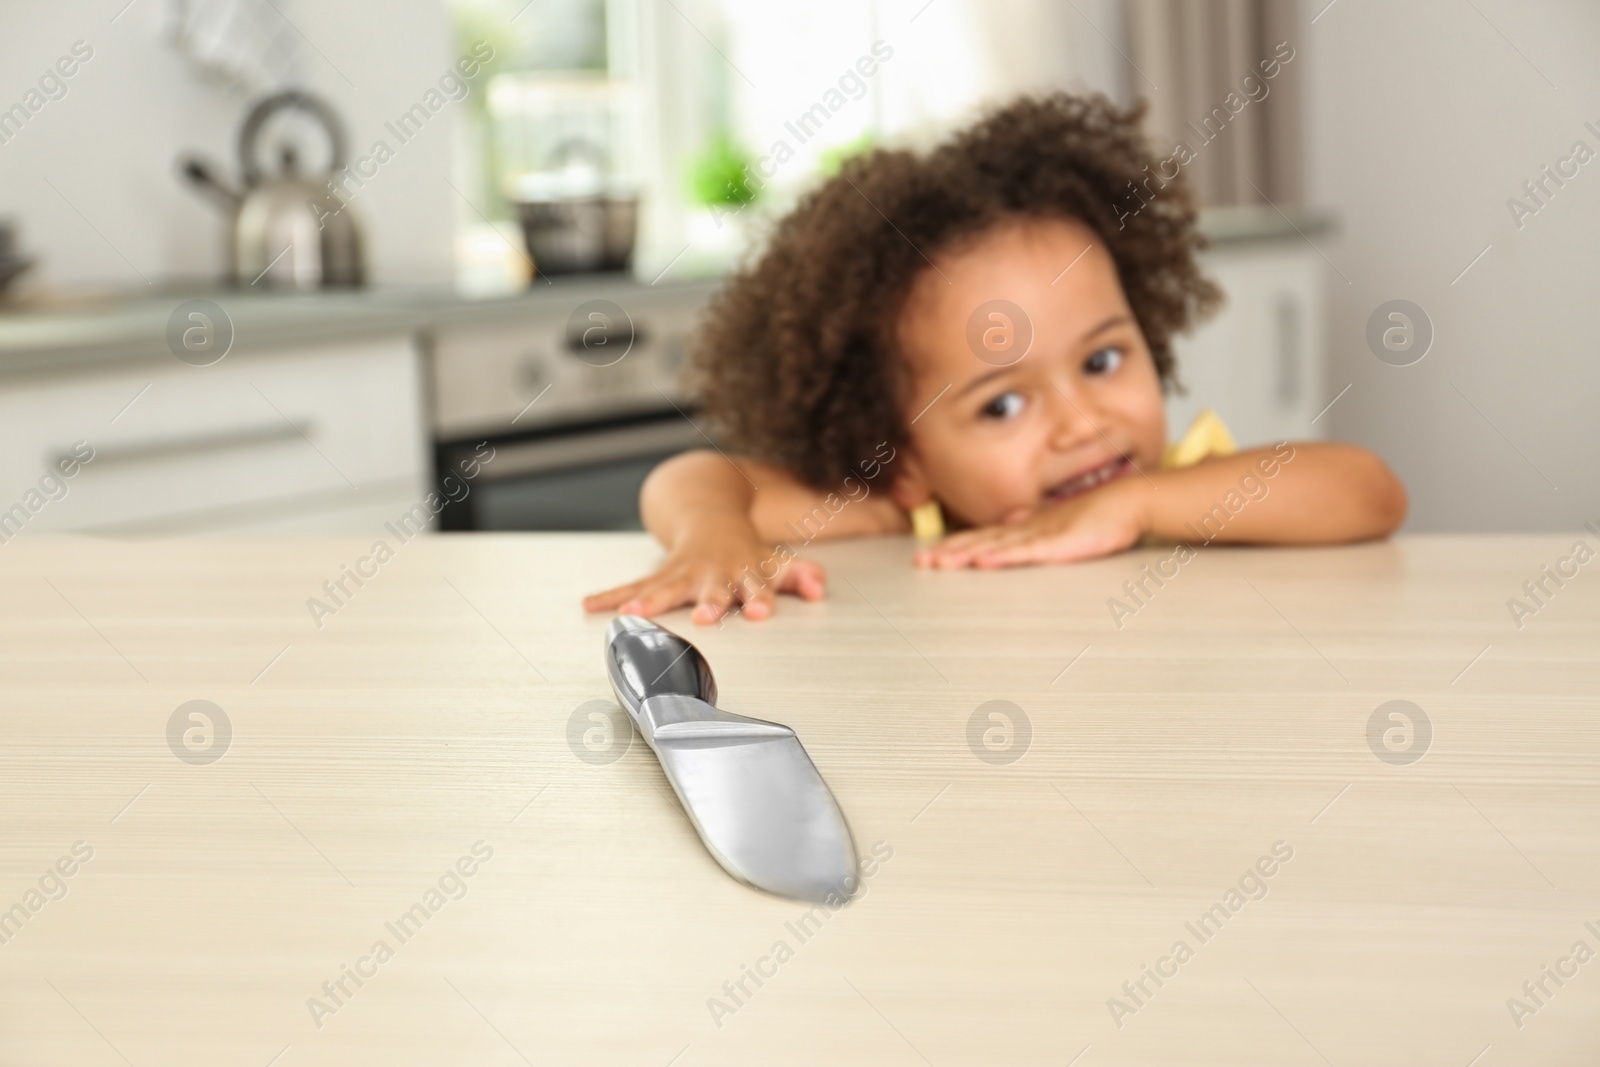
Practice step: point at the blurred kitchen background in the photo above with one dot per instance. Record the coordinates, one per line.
(537, 197)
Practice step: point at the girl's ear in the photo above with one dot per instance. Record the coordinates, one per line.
(910, 487)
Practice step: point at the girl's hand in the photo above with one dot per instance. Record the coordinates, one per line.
(1102, 521)
(713, 570)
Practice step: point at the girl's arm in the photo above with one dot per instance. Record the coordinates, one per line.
(1318, 493)
(730, 527)
(1308, 494)
(776, 504)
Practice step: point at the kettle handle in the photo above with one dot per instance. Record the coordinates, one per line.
(271, 105)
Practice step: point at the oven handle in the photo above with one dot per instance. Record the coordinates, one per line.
(583, 448)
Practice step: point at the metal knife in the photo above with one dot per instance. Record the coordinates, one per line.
(748, 786)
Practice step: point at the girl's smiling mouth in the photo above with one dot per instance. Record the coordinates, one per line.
(1089, 479)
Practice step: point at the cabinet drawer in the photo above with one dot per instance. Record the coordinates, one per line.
(173, 440)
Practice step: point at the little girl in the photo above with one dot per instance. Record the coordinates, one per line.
(983, 335)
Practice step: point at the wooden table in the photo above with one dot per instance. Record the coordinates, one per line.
(1161, 764)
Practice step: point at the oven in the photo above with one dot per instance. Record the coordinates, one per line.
(549, 411)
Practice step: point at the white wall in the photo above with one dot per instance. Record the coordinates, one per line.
(1424, 117)
(109, 145)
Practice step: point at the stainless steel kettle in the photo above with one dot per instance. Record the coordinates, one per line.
(289, 230)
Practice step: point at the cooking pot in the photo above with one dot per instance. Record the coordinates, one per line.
(574, 216)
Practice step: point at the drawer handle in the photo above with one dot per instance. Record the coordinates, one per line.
(153, 451)
(1289, 357)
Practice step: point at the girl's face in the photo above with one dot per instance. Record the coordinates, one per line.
(1032, 382)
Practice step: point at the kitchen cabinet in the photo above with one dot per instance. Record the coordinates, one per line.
(336, 412)
(321, 438)
(1259, 362)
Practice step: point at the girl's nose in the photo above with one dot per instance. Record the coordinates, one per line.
(1072, 422)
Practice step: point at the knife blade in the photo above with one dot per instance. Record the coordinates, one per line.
(757, 801)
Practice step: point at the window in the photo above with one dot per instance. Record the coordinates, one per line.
(719, 113)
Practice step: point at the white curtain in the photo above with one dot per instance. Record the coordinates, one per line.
(1188, 56)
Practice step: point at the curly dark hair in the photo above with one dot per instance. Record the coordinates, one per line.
(797, 362)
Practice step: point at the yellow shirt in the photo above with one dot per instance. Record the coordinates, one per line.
(1206, 436)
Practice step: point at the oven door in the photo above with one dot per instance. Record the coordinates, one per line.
(577, 477)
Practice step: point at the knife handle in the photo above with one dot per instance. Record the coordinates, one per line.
(645, 660)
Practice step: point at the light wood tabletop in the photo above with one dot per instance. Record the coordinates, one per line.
(1193, 831)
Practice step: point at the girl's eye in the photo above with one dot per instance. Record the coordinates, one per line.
(1004, 406)
(1104, 361)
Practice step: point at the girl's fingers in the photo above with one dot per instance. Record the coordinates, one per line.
(958, 549)
(712, 602)
(956, 542)
(935, 555)
(965, 549)
(994, 554)
(1009, 555)
(805, 577)
(1058, 549)
(947, 558)
(761, 603)
(710, 597)
(658, 598)
(607, 599)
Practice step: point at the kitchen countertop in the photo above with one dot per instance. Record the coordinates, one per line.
(1164, 763)
(135, 326)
